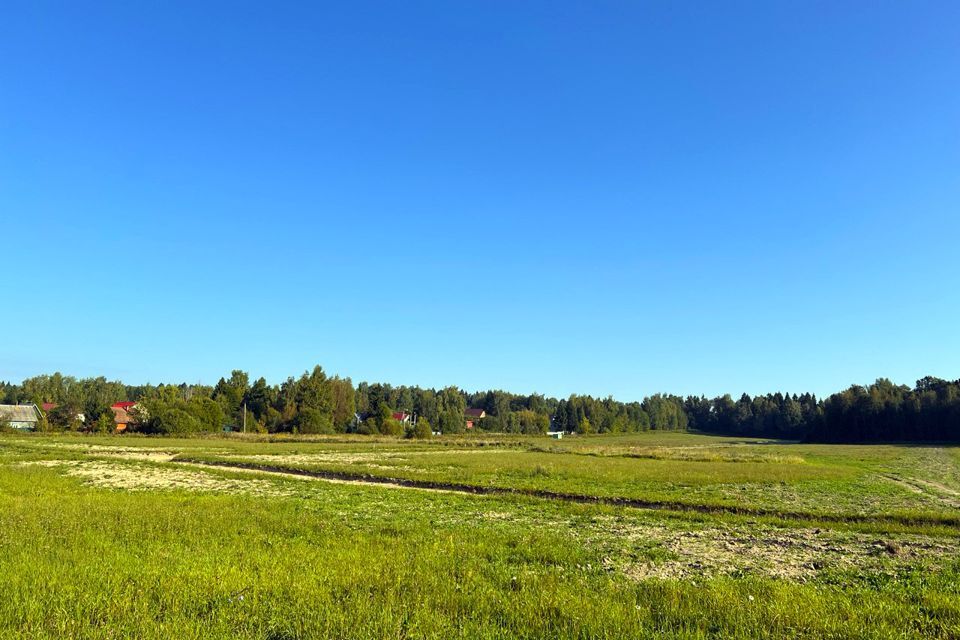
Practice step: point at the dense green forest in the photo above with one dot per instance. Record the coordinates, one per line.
(318, 403)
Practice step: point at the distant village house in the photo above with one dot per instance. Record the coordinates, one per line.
(474, 415)
(122, 415)
(22, 417)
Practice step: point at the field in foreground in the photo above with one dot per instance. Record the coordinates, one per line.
(652, 535)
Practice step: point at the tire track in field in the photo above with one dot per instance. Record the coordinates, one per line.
(930, 489)
(936, 463)
(636, 503)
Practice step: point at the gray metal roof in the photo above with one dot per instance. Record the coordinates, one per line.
(18, 412)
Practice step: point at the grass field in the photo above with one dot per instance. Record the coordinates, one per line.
(649, 535)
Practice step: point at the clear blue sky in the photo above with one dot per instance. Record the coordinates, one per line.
(597, 197)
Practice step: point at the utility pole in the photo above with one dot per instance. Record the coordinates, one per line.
(244, 416)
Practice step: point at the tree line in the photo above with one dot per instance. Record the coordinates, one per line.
(316, 403)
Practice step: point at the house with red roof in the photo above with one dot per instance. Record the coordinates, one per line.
(473, 415)
(122, 415)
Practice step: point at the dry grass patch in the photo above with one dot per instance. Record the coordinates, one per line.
(795, 554)
(151, 478)
(730, 453)
(122, 452)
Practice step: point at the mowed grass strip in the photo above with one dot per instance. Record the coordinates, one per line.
(918, 485)
(92, 563)
(821, 486)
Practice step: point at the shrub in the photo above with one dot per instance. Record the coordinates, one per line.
(66, 415)
(369, 427)
(105, 423)
(391, 427)
(585, 426)
(314, 421)
(420, 430)
(172, 419)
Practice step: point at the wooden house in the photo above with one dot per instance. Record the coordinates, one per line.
(122, 415)
(22, 417)
(474, 415)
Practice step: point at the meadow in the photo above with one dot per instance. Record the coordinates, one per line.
(666, 535)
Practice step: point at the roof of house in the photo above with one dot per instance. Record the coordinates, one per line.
(120, 415)
(475, 413)
(19, 412)
(47, 406)
(401, 416)
(122, 405)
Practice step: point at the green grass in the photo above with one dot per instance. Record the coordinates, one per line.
(856, 482)
(91, 549)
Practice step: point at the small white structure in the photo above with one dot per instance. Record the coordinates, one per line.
(556, 435)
